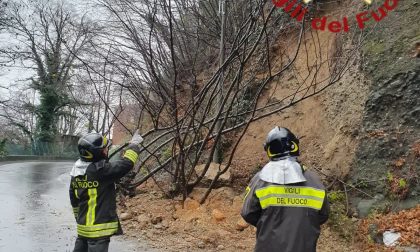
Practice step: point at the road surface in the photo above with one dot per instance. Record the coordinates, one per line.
(35, 211)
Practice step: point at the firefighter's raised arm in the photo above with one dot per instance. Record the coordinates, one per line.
(117, 169)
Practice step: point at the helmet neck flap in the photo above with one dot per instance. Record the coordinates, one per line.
(283, 172)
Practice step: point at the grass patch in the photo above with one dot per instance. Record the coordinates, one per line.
(338, 220)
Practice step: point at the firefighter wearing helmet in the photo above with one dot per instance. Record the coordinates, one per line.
(285, 202)
(92, 190)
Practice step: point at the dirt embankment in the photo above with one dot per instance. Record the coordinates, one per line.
(327, 124)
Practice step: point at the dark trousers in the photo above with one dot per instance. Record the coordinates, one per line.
(89, 245)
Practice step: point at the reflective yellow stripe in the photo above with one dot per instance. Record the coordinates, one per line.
(88, 155)
(291, 196)
(296, 147)
(269, 153)
(75, 194)
(248, 189)
(291, 202)
(97, 227)
(90, 216)
(96, 234)
(76, 212)
(132, 155)
(292, 190)
(104, 141)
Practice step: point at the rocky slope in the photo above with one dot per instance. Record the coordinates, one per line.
(387, 160)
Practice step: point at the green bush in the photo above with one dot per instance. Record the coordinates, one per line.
(336, 196)
(3, 151)
(166, 154)
(338, 220)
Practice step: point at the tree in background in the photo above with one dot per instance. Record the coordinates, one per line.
(3, 151)
(48, 37)
(3, 5)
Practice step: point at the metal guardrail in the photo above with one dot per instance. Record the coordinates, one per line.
(34, 157)
(41, 151)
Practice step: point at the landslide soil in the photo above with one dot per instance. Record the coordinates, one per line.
(168, 225)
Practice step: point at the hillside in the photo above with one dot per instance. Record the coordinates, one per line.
(364, 130)
(390, 129)
(365, 127)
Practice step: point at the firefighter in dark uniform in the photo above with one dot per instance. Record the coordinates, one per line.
(285, 202)
(92, 190)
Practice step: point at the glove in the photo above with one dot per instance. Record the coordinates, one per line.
(136, 139)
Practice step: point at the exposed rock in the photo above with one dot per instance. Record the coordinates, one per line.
(197, 193)
(218, 215)
(381, 204)
(191, 204)
(126, 216)
(389, 129)
(201, 245)
(406, 204)
(364, 207)
(240, 247)
(158, 226)
(241, 225)
(156, 219)
(165, 224)
(212, 172)
(221, 197)
(193, 219)
(143, 221)
(149, 234)
(392, 108)
(211, 238)
(374, 234)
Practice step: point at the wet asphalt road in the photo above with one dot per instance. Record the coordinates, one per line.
(35, 211)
